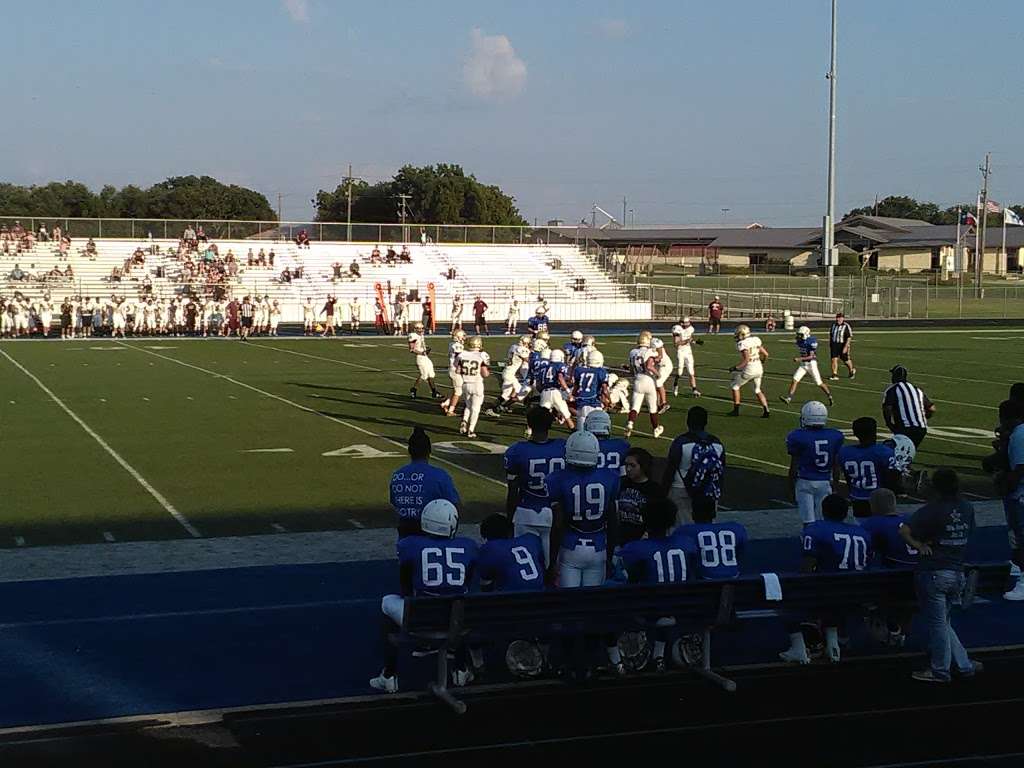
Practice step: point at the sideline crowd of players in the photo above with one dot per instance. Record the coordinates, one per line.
(586, 511)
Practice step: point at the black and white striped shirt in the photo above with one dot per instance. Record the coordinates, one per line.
(908, 405)
(839, 334)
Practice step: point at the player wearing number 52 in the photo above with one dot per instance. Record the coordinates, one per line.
(812, 450)
(417, 484)
(867, 465)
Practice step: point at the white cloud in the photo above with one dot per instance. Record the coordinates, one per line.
(297, 9)
(493, 69)
(614, 29)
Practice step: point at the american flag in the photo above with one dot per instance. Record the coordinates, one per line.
(992, 206)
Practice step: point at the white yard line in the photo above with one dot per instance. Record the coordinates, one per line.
(313, 411)
(160, 498)
(319, 357)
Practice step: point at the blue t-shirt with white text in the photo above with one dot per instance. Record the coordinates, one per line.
(417, 484)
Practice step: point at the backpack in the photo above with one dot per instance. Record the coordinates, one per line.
(704, 477)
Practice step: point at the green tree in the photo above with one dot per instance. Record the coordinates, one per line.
(439, 194)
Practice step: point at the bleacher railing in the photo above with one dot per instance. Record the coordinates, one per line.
(383, 233)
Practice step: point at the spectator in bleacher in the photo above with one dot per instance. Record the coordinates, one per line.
(200, 235)
(391, 257)
(270, 258)
(353, 268)
(44, 236)
(694, 458)
(480, 317)
(337, 270)
(250, 259)
(375, 255)
(261, 258)
(940, 531)
(405, 257)
(57, 233)
(17, 274)
(189, 235)
(302, 239)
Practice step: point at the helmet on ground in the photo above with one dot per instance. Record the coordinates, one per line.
(557, 356)
(539, 345)
(577, 336)
(595, 359)
(634, 649)
(644, 339)
(524, 659)
(459, 335)
(742, 332)
(905, 452)
(803, 332)
(598, 423)
(439, 518)
(476, 343)
(582, 450)
(813, 414)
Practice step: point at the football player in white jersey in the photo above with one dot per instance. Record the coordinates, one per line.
(120, 310)
(618, 393)
(456, 313)
(512, 386)
(474, 367)
(46, 315)
(355, 308)
(275, 318)
(308, 317)
(642, 363)
(513, 318)
(424, 365)
(682, 336)
(455, 347)
(665, 366)
(750, 368)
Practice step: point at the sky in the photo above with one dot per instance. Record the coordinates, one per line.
(696, 112)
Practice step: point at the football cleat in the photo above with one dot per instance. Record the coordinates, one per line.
(853, 374)
(384, 683)
(628, 430)
(795, 657)
(412, 392)
(1017, 593)
(471, 435)
(493, 413)
(462, 677)
(696, 392)
(833, 377)
(675, 391)
(785, 399)
(658, 431)
(463, 428)
(831, 401)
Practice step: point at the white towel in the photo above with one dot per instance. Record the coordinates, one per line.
(772, 587)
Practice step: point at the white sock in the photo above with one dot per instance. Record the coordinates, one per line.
(797, 644)
(832, 638)
(613, 655)
(659, 649)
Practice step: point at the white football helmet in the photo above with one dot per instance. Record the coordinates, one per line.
(644, 339)
(589, 341)
(459, 335)
(418, 327)
(598, 423)
(439, 518)
(657, 343)
(742, 332)
(539, 312)
(595, 359)
(545, 353)
(577, 337)
(803, 332)
(476, 343)
(557, 356)
(526, 340)
(686, 322)
(539, 345)
(813, 414)
(582, 450)
(905, 452)
(544, 335)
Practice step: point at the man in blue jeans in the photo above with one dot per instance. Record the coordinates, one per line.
(939, 532)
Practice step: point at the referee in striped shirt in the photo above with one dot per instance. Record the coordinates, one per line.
(839, 338)
(905, 407)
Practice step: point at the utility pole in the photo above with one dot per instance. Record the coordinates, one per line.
(279, 196)
(876, 204)
(623, 210)
(979, 257)
(403, 198)
(348, 183)
(828, 235)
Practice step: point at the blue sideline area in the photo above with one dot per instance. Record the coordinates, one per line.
(104, 647)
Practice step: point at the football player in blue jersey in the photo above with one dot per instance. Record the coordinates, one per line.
(660, 558)
(527, 464)
(508, 564)
(433, 564)
(720, 546)
(812, 450)
(867, 465)
(583, 502)
(613, 450)
(891, 551)
(554, 388)
(807, 357)
(572, 348)
(590, 385)
(830, 545)
(539, 322)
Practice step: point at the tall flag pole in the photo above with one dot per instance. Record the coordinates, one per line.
(828, 241)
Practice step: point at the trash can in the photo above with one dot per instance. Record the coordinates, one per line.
(787, 320)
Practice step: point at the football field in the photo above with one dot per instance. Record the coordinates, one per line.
(169, 438)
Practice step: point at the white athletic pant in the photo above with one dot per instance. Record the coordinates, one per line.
(425, 366)
(582, 566)
(510, 384)
(809, 495)
(644, 390)
(619, 395)
(456, 378)
(473, 393)
(810, 367)
(583, 411)
(393, 606)
(752, 371)
(552, 400)
(684, 361)
(539, 523)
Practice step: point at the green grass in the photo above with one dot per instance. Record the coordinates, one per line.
(184, 415)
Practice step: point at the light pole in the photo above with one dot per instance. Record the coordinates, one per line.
(828, 234)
